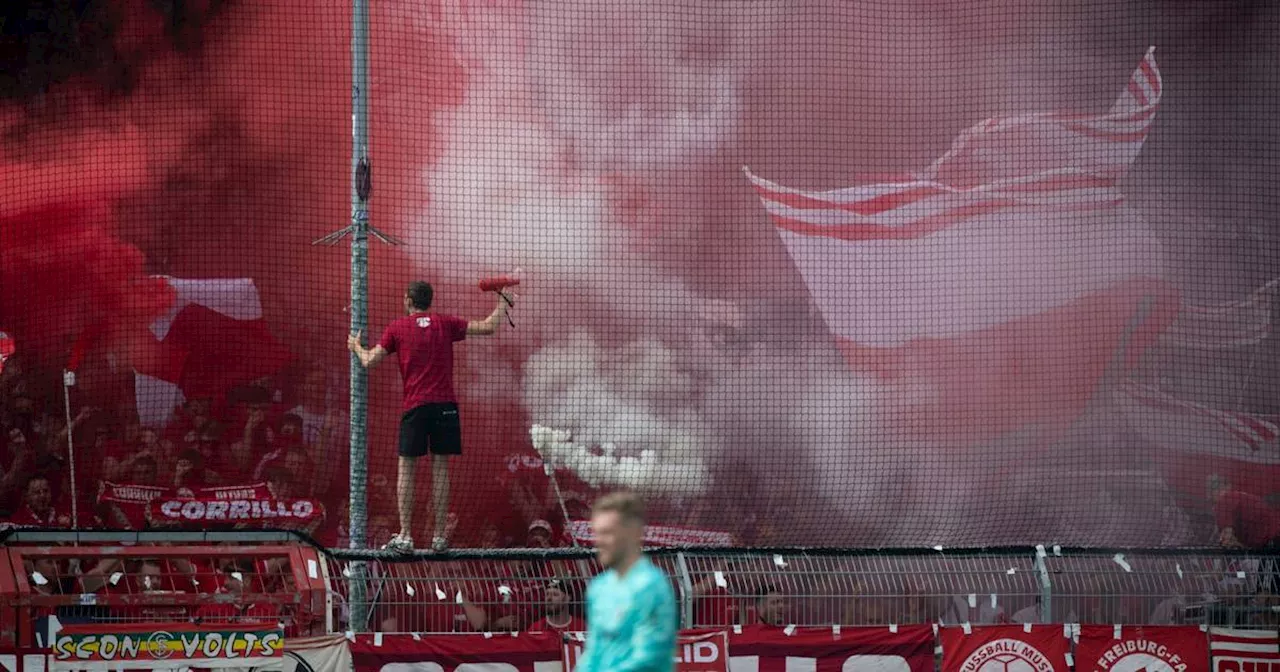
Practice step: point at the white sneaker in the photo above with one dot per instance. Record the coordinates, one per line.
(400, 543)
(439, 544)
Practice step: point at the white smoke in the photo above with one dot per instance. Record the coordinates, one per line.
(630, 381)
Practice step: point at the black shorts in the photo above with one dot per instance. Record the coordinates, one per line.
(431, 428)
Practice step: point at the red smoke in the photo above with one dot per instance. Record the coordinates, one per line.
(64, 275)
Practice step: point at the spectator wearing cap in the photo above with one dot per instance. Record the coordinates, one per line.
(558, 614)
(540, 534)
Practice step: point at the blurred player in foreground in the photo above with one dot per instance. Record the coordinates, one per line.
(631, 608)
(423, 342)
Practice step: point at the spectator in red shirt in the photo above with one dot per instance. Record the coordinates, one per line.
(1244, 520)
(771, 606)
(423, 342)
(558, 616)
(713, 604)
(37, 508)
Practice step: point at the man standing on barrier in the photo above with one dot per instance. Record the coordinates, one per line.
(423, 343)
(632, 620)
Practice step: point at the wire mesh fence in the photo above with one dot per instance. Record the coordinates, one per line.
(724, 588)
(830, 273)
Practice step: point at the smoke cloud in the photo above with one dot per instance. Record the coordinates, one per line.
(597, 146)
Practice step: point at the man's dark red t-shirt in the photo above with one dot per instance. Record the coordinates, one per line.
(423, 343)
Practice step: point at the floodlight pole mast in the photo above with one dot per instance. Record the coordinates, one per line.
(359, 230)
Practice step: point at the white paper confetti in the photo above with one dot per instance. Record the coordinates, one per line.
(237, 576)
(1011, 571)
(721, 581)
(459, 598)
(935, 629)
(937, 548)
(1116, 632)
(835, 630)
(1240, 574)
(38, 579)
(488, 635)
(973, 600)
(346, 571)
(1178, 569)
(377, 639)
(968, 629)
(313, 570)
(1119, 560)
(115, 578)
(789, 630)
(1071, 660)
(1057, 550)
(777, 560)
(993, 600)
(408, 588)
(1040, 553)
(351, 636)
(505, 592)
(737, 629)
(440, 594)
(893, 628)
(416, 636)
(1026, 627)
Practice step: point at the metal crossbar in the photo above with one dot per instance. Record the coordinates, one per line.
(466, 591)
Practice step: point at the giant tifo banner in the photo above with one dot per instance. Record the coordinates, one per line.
(752, 649)
(969, 289)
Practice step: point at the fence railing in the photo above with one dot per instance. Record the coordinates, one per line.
(501, 590)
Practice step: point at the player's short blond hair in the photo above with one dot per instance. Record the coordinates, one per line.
(628, 505)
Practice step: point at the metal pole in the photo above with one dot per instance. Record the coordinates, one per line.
(360, 184)
(69, 379)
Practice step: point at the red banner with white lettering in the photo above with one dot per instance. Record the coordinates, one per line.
(1004, 648)
(1244, 650)
(1130, 648)
(706, 652)
(755, 649)
(202, 511)
(536, 652)
(906, 648)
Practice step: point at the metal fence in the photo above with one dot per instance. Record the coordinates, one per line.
(511, 590)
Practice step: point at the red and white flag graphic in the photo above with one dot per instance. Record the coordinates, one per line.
(212, 339)
(1166, 421)
(1226, 325)
(1002, 282)
(1241, 650)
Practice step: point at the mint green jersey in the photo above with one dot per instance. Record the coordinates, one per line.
(631, 622)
